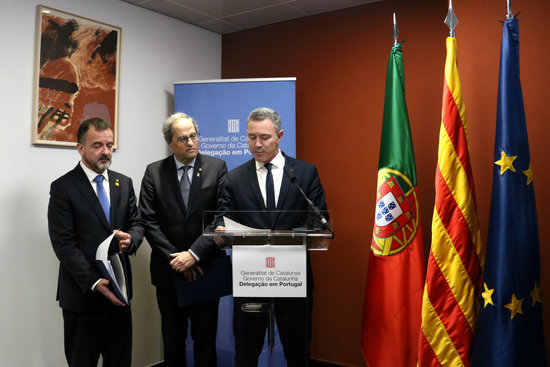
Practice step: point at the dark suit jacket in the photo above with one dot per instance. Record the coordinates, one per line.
(242, 192)
(77, 225)
(171, 227)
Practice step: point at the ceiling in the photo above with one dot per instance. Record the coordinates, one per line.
(226, 16)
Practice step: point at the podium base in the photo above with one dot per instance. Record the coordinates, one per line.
(306, 230)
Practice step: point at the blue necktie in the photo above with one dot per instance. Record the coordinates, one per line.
(102, 196)
(185, 185)
(269, 188)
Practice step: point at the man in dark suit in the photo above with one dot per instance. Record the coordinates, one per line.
(95, 320)
(174, 194)
(247, 188)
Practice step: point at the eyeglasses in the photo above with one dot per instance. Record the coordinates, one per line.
(184, 139)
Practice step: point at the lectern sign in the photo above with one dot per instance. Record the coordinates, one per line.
(269, 271)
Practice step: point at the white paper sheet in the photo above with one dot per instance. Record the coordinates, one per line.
(113, 265)
(232, 226)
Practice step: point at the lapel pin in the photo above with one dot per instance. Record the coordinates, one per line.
(117, 184)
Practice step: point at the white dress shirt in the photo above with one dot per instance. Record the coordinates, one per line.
(91, 175)
(277, 170)
(189, 170)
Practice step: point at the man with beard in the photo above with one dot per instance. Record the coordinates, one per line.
(86, 205)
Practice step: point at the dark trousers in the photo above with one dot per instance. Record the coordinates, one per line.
(174, 321)
(107, 330)
(293, 318)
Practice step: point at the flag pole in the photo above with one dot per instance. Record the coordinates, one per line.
(509, 15)
(395, 32)
(451, 20)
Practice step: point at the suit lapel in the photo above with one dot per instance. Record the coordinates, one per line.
(199, 169)
(114, 194)
(85, 188)
(254, 184)
(170, 171)
(285, 184)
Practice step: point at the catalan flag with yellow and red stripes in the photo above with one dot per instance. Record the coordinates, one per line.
(454, 275)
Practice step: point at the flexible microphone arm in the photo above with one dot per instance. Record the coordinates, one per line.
(315, 210)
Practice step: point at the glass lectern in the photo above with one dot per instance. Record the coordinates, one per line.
(271, 266)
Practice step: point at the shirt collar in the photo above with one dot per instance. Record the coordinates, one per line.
(278, 161)
(91, 174)
(179, 164)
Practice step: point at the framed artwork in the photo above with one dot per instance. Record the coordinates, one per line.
(76, 76)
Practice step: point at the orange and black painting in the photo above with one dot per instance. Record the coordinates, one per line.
(76, 76)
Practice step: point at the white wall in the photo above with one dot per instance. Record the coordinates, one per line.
(156, 51)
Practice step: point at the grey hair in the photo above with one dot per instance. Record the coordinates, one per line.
(167, 125)
(263, 113)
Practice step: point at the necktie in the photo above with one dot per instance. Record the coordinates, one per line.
(269, 188)
(185, 185)
(102, 196)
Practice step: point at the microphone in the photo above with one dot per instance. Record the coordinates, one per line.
(316, 211)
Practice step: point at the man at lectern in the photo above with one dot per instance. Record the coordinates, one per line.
(272, 181)
(86, 205)
(175, 192)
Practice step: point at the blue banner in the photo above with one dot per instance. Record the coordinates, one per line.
(221, 108)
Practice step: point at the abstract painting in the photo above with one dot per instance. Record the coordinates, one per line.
(76, 75)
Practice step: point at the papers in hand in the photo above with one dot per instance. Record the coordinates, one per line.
(232, 226)
(112, 268)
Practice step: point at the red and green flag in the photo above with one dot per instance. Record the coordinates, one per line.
(395, 279)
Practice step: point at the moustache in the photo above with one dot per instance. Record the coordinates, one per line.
(104, 157)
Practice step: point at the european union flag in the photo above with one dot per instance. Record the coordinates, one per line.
(510, 330)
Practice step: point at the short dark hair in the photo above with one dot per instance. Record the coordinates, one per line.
(96, 122)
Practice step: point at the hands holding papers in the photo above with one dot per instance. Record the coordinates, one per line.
(113, 284)
(124, 240)
(103, 288)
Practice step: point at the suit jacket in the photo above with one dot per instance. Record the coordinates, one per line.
(171, 227)
(242, 192)
(77, 225)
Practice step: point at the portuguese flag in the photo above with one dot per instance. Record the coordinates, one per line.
(393, 294)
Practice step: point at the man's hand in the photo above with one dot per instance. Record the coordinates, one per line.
(218, 239)
(192, 273)
(124, 241)
(182, 261)
(103, 287)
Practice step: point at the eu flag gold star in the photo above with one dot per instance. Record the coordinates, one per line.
(506, 162)
(529, 175)
(487, 295)
(535, 295)
(515, 306)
